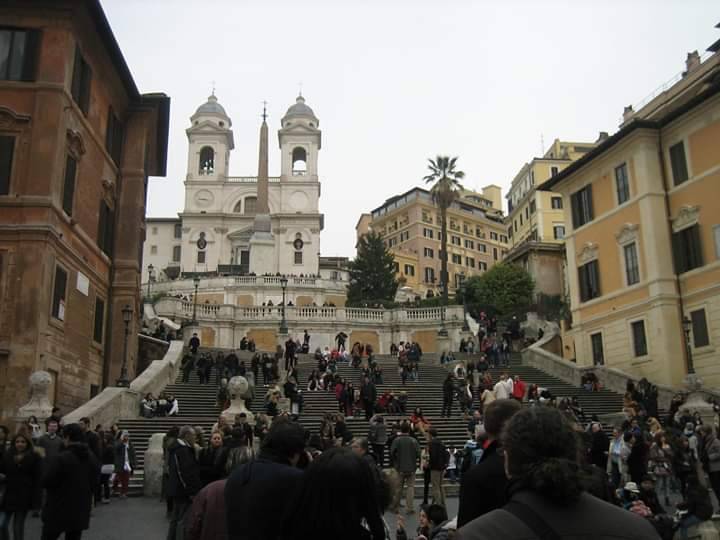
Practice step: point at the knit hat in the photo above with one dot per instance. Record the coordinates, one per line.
(632, 486)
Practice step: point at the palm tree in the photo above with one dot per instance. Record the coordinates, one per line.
(446, 185)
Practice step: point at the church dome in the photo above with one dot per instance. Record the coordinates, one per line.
(300, 109)
(211, 107)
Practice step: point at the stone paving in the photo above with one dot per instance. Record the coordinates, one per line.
(141, 518)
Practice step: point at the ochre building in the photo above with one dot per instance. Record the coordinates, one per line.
(410, 226)
(643, 236)
(77, 144)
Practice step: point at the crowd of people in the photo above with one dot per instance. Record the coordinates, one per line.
(59, 473)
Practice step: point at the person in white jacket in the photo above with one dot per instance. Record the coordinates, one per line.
(501, 388)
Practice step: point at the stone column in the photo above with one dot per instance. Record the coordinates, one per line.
(39, 405)
(153, 468)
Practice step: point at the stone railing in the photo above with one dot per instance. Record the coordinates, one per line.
(212, 284)
(114, 403)
(177, 308)
(249, 179)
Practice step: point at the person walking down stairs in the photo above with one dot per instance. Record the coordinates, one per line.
(125, 464)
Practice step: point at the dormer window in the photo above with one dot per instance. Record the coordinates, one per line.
(207, 161)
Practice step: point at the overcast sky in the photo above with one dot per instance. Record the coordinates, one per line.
(396, 82)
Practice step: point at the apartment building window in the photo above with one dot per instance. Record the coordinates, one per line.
(558, 232)
(495, 254)
(298, 257)
(493, 236)
(81, 80)
(106, 226)
(427, 233)
(597, 349)
(18, 54)
(515, 225)
(409, 270)
(699, 328)
(456, 259)
(153, 250)
(201, 257)
(510, 232)
(59, 289)
(479, 232)
(177, 250)
(428, 252)
(392, 242)
(678, 163)
(469, 244)
(556, 203)
(405, 235)
(482, 265)
(429, 275)
(177, 232)
(455, 240)
(639, 340)
(527, 212)
(114, 137)
(532, 178)
(687, 249)
(553, 171)
(99, 320)
(503, 239)
(582, 206)
(396, 267)
(532, 206)
(589, 281)
(68, 194)
(482, 248)
(621, 183)
(154, 230)
(7, 150)
(470, 262)
(632, 269)
(521, 218)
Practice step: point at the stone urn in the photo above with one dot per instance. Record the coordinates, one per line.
(238, 387)
(39, 404)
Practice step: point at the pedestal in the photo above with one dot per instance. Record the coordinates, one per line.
(262, 247)
(696, 401)
(238, 387)
(153, 468)
(443, 346)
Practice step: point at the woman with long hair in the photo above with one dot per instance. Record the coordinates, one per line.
(546, 493)
(328, 510)
(21, 467)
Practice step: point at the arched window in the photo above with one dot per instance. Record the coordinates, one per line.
(299, 161)
(238, 208)
(250, 205)
(207, 160)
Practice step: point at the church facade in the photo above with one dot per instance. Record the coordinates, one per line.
(240, 225)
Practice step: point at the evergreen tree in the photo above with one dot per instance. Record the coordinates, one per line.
(372, 273)
(504, 290)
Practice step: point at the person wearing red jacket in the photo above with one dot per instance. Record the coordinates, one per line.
(518, 389)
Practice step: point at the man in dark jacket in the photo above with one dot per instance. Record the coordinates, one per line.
(183, 480)
(257, 494)
(69, 479)
(448, 392)
(439, 458)
(483, 486)
(368, 393)
(194, 343)
(404, 455)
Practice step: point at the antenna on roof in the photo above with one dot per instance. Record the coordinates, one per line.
(213, 88)
(300, 89)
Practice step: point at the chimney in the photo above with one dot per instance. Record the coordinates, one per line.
(692, 62)
(603, 135)
(628, 113)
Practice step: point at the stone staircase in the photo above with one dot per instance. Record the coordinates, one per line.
(198, 408)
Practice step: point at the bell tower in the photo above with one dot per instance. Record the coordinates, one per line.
(210, 140)
(300, 141)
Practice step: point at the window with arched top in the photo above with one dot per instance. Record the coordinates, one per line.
(238, 208)
(299, 161)
(207, 160)
(250, 205)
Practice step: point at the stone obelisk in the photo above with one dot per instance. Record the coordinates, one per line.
(262, 243)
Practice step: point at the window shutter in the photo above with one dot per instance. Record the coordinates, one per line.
(7, 148)
(32, 50)
(77, 76)
(85, 87)
(69, 187)
(694, 247)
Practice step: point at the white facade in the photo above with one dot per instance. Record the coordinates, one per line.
(162, 248)
(217, 221)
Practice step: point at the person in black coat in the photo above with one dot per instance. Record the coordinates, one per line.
(368, 393)
(599, 444)
(212, 460)
(69, 480)
(21, 466)
(483, 486)
(448, 393)
(183, 480)
(258, 494)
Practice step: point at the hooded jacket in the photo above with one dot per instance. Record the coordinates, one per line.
(70, 479)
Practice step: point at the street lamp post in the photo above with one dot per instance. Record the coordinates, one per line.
(465, 326)
(124, 381)
(687, 325)
(196, 282)
(283, 322)
(151, 270)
